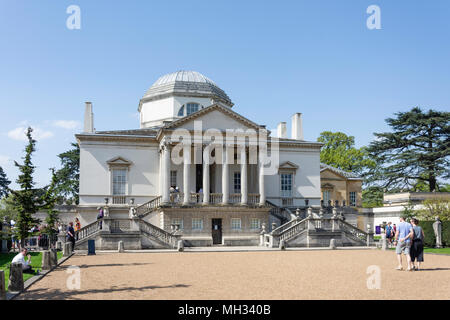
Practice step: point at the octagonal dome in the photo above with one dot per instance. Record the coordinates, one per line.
(188, 84)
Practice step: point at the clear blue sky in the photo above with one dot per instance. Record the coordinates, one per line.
(273, 58)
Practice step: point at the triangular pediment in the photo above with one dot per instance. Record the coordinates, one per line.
(215, 116)
(119, 161)
(288, 166)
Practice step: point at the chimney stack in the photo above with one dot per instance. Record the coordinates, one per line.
(88, 118)
(281, 130)
(297, 128)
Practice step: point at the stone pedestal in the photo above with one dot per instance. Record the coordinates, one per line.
(46, 262)
(4, 246)
(180, 246)
(2, 285)
(53, 257)
(282, 245)
(15, 278)
(67, 249)
(120, 247)
(333, 244)
(383, 242)
(59, 245)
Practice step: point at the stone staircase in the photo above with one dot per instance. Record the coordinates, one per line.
(148, 207)
(282, 214)
(135, 233)
(317, 230)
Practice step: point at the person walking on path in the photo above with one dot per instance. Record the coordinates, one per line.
(417, 244)
(403, 243)
(71, 235)
(389, 233)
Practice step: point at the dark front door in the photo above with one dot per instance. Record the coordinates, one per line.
(217, 231)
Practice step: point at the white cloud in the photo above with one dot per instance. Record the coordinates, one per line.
(67, 124)
(19, 133)
(4, 161)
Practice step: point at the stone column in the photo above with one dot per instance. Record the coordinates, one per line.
(186, 173)
(262, 191)
(206, 185)
(225, 176)
(244, 184)
(165, 149)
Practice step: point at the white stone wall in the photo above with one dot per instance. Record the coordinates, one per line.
(306, 181)
(95, 177)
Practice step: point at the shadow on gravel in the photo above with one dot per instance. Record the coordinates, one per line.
(46, 294)
(434, 269)
(113, 265)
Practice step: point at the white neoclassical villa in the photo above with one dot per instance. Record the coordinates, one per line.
(195, 170)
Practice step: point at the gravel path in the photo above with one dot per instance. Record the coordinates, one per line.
(335, 274)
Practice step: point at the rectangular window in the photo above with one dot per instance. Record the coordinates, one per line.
(236, 224)
(255, 224)
(353, 199)
(173, 178)
(197, 224)
(178, 222)
(119, 181)
(326, 197)
(286, 185)
(237, 182)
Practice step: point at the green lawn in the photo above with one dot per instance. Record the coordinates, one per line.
(433, 250)
(36, 263)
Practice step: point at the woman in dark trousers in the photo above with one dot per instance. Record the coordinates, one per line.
(417, 244)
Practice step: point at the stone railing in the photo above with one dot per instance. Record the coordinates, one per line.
(119, 199)
(354, 232)
(293, 230)
(158, 233)
(284, 227)
(148, 207)
(253, 199)
(215, 198)
(234, 198)
(88, 230)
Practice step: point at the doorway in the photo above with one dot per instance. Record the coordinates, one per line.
(217, 231)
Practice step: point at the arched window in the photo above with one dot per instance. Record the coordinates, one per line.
(181, 112)
(190, 108)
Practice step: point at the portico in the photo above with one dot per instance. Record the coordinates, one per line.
(235, 157)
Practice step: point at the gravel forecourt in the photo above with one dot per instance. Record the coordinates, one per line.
(325, 274)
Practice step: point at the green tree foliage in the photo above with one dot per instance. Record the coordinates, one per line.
(4, 184)
(417, 150)
(435, 207)
(340, 152)
(372, 197)
(68, 177)
(51, 200)
(27, 199)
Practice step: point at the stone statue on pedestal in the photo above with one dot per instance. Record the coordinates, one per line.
(437, 228)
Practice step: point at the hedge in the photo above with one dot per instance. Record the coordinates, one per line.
(430, 239)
